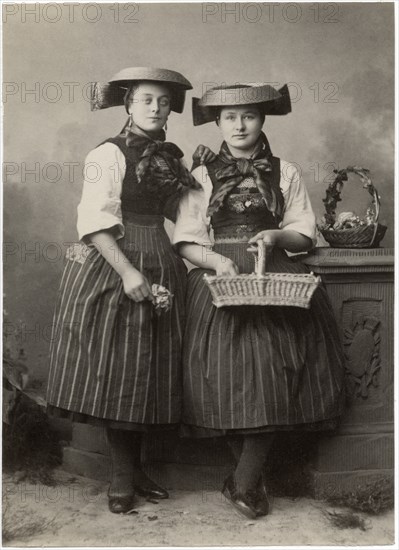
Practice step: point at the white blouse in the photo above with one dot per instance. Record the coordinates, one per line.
(193, 225)
(100, 205)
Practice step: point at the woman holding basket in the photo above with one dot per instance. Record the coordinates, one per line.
(250, 371)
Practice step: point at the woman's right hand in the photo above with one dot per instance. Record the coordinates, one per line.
(136, 286)
(225, 266)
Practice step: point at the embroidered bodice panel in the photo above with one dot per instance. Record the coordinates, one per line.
(243, 213)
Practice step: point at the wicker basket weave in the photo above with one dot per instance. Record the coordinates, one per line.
(368, 236)
(262, 289)
(364, 236)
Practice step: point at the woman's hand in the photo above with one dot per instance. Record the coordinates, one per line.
(269, 237)
(288, 239)
(203, 155)
(225, 266)
(206, 258)
(136, 285)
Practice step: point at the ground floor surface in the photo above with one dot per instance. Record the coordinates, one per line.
(74, 512)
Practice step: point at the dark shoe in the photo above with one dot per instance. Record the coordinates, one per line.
(145, 487)
(151, 491)
(120, 505)
(245, 504)
(263, 501)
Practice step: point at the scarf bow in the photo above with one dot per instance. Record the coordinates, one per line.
(160, 161)
(243, 168)
(235, 170)
(160, 149)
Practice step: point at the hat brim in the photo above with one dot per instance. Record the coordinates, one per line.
(280, 105)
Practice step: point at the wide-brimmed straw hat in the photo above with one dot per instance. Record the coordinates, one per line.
(269, 100)
(112, 93)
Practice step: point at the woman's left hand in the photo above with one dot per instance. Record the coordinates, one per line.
(203, 155)
(269, 237)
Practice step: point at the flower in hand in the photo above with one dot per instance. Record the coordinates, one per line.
(136, 286)
(162, 298)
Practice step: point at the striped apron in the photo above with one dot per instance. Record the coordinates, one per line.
(112, 358)
(257, 368)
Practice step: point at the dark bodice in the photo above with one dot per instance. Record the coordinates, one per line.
(244, 211)
(141, 197)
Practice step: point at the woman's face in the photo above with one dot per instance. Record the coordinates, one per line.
(241, 126)
(150, 106)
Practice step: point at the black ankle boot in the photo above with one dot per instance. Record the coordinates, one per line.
(244, 503)
(145, 487)
(263, 500)
(120, 505)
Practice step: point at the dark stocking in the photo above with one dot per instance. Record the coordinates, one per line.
(253, 457)
(124, 446)
(235, 443)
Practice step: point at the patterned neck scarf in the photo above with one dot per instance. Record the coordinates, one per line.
(235, 170)
(159, 165)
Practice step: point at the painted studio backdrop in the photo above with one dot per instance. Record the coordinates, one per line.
(338, 60)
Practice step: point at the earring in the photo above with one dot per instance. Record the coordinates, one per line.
(166, 127)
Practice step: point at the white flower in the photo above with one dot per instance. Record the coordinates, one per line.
(162, 298)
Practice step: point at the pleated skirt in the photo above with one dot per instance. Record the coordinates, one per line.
(259, 368)
(111, 358)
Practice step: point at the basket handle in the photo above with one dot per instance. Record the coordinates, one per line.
(260, 258)
(377, 203)
(377, 213)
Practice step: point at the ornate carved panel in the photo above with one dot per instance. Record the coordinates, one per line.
(362, 350)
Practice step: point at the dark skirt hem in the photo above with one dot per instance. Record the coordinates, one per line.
(106, 422)
(189, 430)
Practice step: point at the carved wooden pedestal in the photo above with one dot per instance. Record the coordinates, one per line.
(360, 284)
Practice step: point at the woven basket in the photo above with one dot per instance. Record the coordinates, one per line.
(368, 236)
(363, 236)
(262, 289)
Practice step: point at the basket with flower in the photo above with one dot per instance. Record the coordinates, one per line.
(348, 230)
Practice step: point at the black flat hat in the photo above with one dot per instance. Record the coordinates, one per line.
(112, 93)
(269, 100)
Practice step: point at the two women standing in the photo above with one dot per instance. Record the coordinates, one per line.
(247, 372)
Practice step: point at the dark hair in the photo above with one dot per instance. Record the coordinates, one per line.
(128, 97)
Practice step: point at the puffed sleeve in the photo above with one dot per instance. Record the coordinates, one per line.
(100, 205)
(192, 223)
(298, 212)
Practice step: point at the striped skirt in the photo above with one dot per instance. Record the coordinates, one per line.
(256, 368)
(112, 358)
